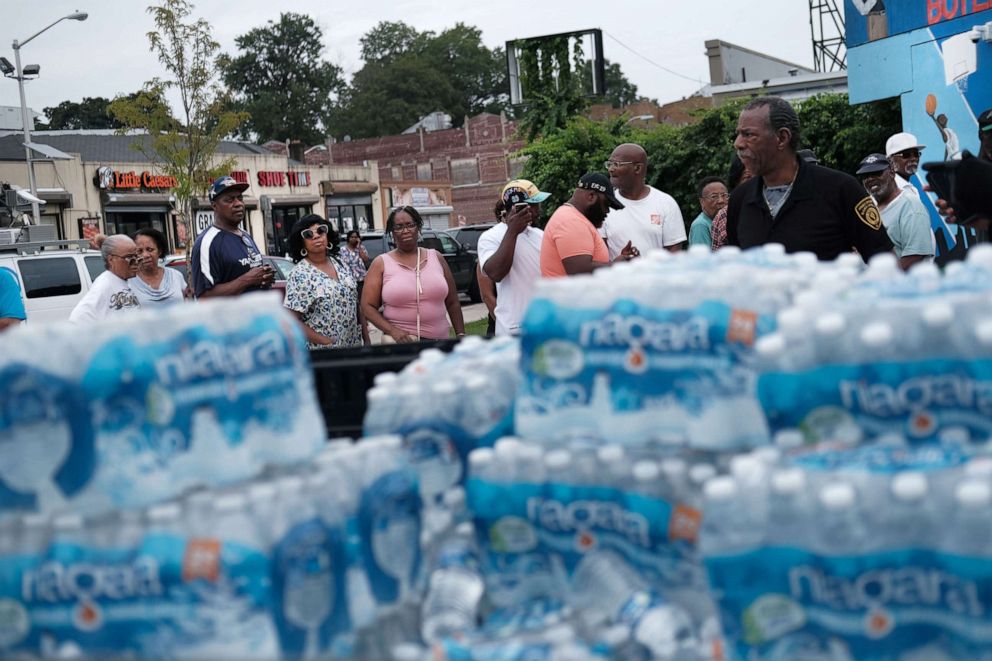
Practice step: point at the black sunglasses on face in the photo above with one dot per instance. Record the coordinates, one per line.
(310, 234)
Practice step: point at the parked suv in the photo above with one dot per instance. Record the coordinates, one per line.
(460, 259)
(468, 235)
(54, 275)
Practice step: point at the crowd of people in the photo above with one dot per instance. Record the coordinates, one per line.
(773, 192)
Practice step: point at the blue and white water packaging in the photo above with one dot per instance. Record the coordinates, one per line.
(138, 409)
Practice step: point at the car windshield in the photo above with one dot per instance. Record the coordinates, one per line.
(469, 238)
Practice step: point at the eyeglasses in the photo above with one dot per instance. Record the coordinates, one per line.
(609, 165)
(133, 258)
(713, 197)
(404, 228)
(909, 153)
(310, 234)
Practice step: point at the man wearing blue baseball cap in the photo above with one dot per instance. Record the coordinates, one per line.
(225, 260)
(904, 216)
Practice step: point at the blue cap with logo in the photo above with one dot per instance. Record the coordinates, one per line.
(224, 184)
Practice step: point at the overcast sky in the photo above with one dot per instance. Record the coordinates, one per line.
(108, 53)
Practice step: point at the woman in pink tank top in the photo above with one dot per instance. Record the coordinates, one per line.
(412, 285)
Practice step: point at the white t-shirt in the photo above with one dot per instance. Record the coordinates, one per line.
(513, 292)
(654, 221)
(906, 186)
(108, 296)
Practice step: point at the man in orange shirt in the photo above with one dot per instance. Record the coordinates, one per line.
(571, 242)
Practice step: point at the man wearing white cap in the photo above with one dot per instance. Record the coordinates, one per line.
(510, 253)
(903, 151)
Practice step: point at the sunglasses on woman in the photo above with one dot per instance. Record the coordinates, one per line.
(310, 234)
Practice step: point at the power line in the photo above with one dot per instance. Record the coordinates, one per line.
(652, 62)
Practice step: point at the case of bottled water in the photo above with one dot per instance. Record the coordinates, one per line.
(286, 566)
(134, 411)
(880, 551)
(661, 347)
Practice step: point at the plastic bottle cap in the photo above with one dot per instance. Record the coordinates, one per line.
(166, 512)
(507, 444)
(480, 457)
(979, 467)
(465, 529)
(774, 249)
(33, 520)
(745, 466)
(938, 314)
(477, 382)
(767, 454)
(837, 496)
(700, 473)
(377, 393)
(909, 486)
(877, 335)
(454, 498)
(830, 323)
(792, 319)
(983, 331)
(530, 453)
(68, 522)
(884, 262)
(610, 453)
(673, 467)
(229, 502)
(383, 379)
(557, 459)
(973, 493)
(788, 481)
(444, 388)
(645, 471)
(722, 487)
(407, 652)
(770, 345)
(788, 439)
(805, 259)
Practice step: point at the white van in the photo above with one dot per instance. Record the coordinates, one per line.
(54, 275)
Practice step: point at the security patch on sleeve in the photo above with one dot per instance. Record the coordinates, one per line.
(868, 213)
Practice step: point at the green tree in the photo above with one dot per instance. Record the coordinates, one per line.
(551, 80)
(184, 148)
(90, 113)
(279, 78)
(678, 157)
(620, 92)
(408, 74)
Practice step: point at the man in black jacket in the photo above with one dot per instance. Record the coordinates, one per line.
(805, 207)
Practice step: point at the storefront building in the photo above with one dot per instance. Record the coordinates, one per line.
(106, 186)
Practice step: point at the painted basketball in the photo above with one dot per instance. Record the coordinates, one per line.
(931, 104)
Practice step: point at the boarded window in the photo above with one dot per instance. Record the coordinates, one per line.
(464, 171)
(424, 172)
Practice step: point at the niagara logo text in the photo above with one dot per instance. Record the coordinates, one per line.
(54, 582)
(907, 586)
(583, 515)
(917, 394)
(223, 356)
(620, 330)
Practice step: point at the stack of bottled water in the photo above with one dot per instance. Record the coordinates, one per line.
(893, 353)
(659, 346)
(600, 534)
(445, 406)
(878, 551)
(134, 411)
(292, 564)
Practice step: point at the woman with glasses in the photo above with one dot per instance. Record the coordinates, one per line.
(154, 284)
(320, 290)
(713, 196)
(412, 285)
(110, 293)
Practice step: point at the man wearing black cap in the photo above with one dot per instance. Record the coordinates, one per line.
(571, 242)
(225, 260)
(904, 216)
(803, 206)
(985, 136)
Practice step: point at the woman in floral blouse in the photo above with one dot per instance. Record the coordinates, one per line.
(320, 290)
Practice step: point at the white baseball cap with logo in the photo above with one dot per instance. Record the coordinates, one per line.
(900, 142)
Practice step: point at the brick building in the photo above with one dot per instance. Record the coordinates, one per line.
(452, 176)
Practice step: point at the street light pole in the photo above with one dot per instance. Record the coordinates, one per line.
(25, 120)
(26, 123)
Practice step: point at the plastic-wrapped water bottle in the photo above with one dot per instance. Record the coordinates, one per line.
(909, 516)
(840, 525)
(607, 589)
(729, 524)
(455, 588)
(789, 509)
(970, 529)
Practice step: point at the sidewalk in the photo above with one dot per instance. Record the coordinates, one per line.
(470, 311)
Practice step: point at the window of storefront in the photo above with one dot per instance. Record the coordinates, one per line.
(283, 219)
(130, 220)
(348, 212)
(424, 171)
